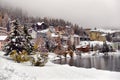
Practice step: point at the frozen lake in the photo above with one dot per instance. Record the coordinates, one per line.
(111, 62)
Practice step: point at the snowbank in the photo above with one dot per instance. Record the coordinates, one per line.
(9, 70)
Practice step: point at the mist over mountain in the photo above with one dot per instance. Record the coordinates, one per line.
(85, 13)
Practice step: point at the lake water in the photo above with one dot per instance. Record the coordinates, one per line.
(111, 62)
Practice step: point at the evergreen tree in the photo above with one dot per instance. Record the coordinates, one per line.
(92, 47)
(19, 40)
(105, 47)
(27, 38)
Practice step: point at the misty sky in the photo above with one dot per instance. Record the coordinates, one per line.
(86, 13)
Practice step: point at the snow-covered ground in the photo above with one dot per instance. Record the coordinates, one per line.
(9, 70)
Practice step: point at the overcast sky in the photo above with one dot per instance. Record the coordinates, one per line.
(86, 13)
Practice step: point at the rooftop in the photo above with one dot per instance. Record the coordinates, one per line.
(3, 37)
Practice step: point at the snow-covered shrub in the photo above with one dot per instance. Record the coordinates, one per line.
(39, 59)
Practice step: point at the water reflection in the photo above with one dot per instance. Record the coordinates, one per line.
(111, 62)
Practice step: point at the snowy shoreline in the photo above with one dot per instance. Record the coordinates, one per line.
(9, 70)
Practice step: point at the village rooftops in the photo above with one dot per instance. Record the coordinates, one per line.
(102, 30)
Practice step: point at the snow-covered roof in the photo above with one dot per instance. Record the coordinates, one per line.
(103, 34)
(40, 23)
(3, 37)
(43, 31)
(91, 43)
(68, 27)
(100, 43)
(104, 30)
(82, 44)
(54, 35)
(65, 46)
(76, 35)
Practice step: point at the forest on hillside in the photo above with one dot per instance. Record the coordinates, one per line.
(24, 18)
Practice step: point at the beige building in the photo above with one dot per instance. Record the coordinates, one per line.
(97, 36)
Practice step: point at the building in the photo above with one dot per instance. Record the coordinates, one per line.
(75, 39)
(97, 36)
(116, 39)
(41, 26)
(2, 41)
(69, 30)
(84, 34)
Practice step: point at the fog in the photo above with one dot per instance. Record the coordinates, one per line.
(86, 13)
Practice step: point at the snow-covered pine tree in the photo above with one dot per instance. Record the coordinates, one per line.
(27, 39)
(14, 39)
(19, 40)
(105, 48)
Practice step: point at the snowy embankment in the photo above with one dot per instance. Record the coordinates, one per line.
(9, 70)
